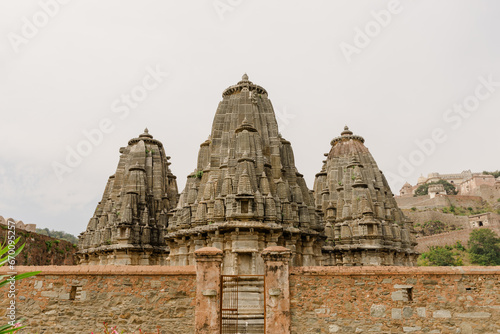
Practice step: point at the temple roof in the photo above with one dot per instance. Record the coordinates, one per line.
(347, 143)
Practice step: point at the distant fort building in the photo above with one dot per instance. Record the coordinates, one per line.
(466, 183)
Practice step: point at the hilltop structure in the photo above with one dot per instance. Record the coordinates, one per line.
(466, 183)
(246, 195)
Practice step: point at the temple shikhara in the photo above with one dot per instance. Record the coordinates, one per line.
(244, 195)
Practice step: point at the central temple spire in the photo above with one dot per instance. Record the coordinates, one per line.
(246, 191)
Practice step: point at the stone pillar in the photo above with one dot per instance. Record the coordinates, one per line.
(208, 294)
(277, 292)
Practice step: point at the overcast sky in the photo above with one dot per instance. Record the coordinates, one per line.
(419, 80)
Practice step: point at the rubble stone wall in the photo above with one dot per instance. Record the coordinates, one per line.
(78, 299)
(433, 300)
(395, 300)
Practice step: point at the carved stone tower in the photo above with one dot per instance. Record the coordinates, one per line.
(130, 221)
(245, 193)
(363, 223)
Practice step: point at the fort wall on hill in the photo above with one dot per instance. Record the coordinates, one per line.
(447, 218)
(449, 238)
(440, 201)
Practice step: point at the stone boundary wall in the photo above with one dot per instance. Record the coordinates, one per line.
(430, 300)
(434, 300)
(78, 299)
(449, 238)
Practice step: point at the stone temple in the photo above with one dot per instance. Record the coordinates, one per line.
(245, 195)
(130, 221)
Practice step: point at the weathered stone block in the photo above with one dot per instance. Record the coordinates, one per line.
(377, 310)
(403, 286)
(64, 295)
(411, 329)
(421, 312)
(397, 295)
(333, 328)
(38, 285)
(407, 312)
(50, 294)
(396, 313)
(473, 315)
(441, 314)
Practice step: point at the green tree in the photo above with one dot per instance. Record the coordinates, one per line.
(424, 188)
(484, 247)
(58, 235)
(439, 256)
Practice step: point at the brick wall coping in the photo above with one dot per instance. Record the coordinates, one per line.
(105, 270)
(393, 270)
(309, 271)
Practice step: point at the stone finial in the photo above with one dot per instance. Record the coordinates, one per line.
(244, 77)
(346, 131)
(145, 134)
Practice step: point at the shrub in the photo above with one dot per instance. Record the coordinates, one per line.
(459, 246)
(57, 234)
